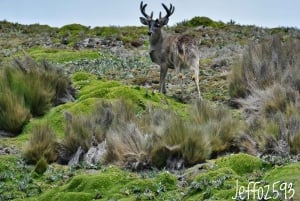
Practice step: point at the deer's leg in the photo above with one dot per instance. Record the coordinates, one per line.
(163, 73)
(196, 79)
(180, 77)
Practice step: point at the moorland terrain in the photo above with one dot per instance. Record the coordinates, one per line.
(81, 117)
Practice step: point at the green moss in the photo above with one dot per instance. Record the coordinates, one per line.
(219, 184)
(111, 31)
(91, 87)
(289, 174)
(7, 161)
(113, 183)
(240, 163)
(167, 179)
(60, 55)
(91, 91)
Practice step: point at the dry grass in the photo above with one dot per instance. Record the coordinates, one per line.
(13, 114)
(78, 133)
(267, 83)
(218, 124)
(41, 145)
(127, 146)
(263, 65)
(33, 88)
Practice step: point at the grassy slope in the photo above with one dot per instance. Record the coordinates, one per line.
(113, 183)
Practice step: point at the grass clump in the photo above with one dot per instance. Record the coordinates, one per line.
(180, 141)
(85, 130)
(13, 115)
(262, 65)
(41, 166)
(128, 146)
(33, 87)
(41, 145)
(266, 86)
(218, 124)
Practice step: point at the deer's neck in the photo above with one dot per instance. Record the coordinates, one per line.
(157, 39)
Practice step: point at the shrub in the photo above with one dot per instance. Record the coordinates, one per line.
(48, 79)
(200, 21)
(41, 145)
(77, 134)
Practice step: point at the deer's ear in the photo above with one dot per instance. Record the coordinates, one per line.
(144, 21)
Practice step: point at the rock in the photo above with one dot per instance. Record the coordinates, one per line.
(95, 154)
(8, 150)
(76, 157)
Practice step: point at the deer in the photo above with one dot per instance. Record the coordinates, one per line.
(174, 51)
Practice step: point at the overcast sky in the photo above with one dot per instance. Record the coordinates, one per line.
(264, 13)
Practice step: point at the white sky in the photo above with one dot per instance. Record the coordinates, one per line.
(264, 13)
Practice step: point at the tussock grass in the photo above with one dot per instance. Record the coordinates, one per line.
(85, 130)
(218, 124)
(262, 65)
(13, 114)
(128, 146)
(30, 89)
(41, 145)
(266, 85)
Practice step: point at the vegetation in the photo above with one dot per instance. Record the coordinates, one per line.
(41, 145)
(200, 21)
(266, 86)
(30, 89)
(153, 146)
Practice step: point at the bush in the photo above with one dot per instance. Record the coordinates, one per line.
(41, 166)
(200, 21)
(42, 144)
(50, 78)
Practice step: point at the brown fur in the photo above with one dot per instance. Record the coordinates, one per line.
(177, 52)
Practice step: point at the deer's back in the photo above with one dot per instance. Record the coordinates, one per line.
(181, 50)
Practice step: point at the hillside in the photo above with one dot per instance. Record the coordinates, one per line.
(81, 117)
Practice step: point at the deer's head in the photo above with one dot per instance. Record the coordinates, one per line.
(155, 25)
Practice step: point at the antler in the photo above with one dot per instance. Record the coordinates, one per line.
(142, 8)
(169, 11)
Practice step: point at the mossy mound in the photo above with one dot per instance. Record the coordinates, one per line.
(240, 163)
(116, 184)
(91, 90)
(290, 175)
(219, 184)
